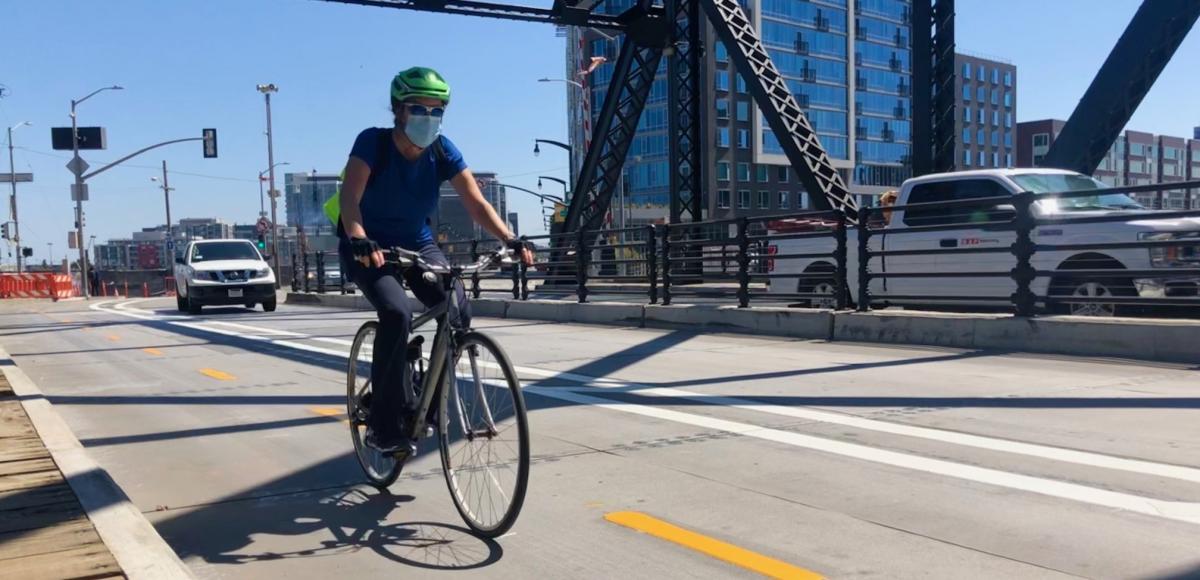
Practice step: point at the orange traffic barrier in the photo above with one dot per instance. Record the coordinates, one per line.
(169, 286)
(40, 285)
(145, 289)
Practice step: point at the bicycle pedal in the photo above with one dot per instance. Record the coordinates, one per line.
(427, 432)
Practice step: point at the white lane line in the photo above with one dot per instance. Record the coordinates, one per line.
(1190, 511)
(1180, 511)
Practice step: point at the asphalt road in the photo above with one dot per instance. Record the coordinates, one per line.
(845, 460)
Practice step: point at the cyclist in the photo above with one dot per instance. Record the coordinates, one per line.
(389, 193)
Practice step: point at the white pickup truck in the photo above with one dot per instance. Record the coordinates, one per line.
(223, 272)
(992, 292)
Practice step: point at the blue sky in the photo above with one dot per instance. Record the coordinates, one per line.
(189, 64)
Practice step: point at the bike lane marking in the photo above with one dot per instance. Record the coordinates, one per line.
(712, 547)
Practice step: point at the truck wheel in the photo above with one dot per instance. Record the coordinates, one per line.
(192, 306)
(826, 287)
(269, 304)
(1094, 288)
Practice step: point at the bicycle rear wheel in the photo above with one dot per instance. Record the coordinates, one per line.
(381, 469)
(484, 436)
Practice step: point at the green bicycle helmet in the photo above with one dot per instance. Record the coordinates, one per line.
(420, 81)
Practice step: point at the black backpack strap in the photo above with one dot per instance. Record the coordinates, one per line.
(383, 154)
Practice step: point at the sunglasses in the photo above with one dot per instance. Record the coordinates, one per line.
(423, 111)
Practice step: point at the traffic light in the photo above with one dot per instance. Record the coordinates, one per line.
(27, 252)
(4, 229)
(262, 242)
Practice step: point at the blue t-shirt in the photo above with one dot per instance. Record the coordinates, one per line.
(398, 201)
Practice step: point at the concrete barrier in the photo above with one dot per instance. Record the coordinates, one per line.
(1133, 338)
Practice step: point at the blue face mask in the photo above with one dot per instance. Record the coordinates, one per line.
(422, 130)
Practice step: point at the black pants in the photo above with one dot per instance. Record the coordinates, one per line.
(390, 400)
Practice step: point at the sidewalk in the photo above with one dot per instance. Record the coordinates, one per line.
(44, 531)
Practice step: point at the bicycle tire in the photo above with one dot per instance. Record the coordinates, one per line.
(381, 470)
(501, 419)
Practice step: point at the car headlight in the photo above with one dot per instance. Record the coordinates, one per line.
(1172, 256)
(263, 273)
(214, 276)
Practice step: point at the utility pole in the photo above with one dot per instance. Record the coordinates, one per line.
(170, 242)
(78, 167)
(12, 178)
(266, 90)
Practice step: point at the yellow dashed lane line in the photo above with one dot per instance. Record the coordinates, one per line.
(216, 374)
(753, 561)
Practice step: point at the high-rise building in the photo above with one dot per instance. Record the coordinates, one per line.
(453, 223)
(850, 69)
(305, 195)
(986, 90)
(203, 229)
(1135, 158)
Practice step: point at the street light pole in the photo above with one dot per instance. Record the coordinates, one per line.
(262, 208)
(12, 178)
(83, 264)
(266, 90)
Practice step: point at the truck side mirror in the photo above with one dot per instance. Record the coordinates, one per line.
(1002, 213)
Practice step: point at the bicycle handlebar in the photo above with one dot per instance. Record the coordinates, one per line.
(408, 258)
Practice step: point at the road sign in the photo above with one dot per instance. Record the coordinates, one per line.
(273, 193)
(77, 165)
(262, 225)
(210, 143)
(20, 177)
(560, 213)
(75, 192)
(170, 244)
(89, 138)
(71, 240)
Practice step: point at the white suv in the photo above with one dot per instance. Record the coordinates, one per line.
(223, 272)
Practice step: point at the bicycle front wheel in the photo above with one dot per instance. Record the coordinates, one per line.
(484, 436)
(381, 469)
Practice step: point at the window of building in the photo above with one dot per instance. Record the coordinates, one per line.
(1170, 153)
(743, 111)
(722, 136)
(995, 96)
(982, 159)
(995, 138)
(783, 200)
(722, 53)
(967, 93)
(967, 158)
(743, 199)
(1037, 160)
(741, 84)
(1137, 149)
(1008, 120)
(743, 139)
(981, 138)
(982, 116)
(982, 73)
(995, 76)
(966, 71)
(764, 199)
(743, 172)
(802, 200)
(1008, 139)
(722, 108)
(1041, 140)
(981, 94)
(1008, 160)
(781, 173)
(966, 114)
(966, 135)
(995, 118)
(722, 80)
(723, 199)
(723, 171)
(1008, 78)
(762, 172)
(1007, 99)
(995, 159)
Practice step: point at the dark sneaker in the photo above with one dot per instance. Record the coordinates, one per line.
(390, 445)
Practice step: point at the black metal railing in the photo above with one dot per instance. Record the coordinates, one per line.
(1026, 253)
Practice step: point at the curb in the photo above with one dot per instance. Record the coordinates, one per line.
(137, 547)
(1130, 338)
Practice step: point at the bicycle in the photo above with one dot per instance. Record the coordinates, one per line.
(472, 417)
